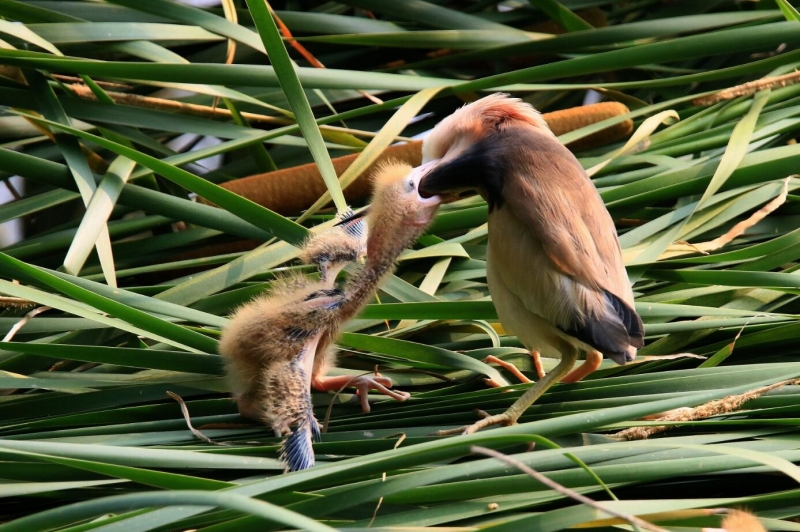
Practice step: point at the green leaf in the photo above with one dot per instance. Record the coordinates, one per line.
(135, 317)
(788, 10)
(561, 15)
(284, 70)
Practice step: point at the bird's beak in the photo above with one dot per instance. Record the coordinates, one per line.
(427, 205)
(447, 178)
(426, 186)
(419, 174)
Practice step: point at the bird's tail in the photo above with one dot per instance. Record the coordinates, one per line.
(297, 451)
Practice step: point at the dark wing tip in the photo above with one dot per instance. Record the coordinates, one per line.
(352, 222)
(297, 451)
(629, 318)
(613, 333)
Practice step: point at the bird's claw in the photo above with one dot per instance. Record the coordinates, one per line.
(365, 383)
(487, 421)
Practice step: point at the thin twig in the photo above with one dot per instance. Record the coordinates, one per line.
(12, 189)
(203, 111)
(25, 319)
(329, 411)
(713, 408)
(103, 84)
(161, 104)
(185, 412)
(632, 519)
(302, 50)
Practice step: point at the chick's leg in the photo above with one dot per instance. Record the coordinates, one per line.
(362, 383)
(510, 416)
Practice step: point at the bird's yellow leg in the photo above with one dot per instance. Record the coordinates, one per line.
(510, 416)
(593, 360)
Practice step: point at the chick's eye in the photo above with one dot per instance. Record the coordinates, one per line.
(410, 185)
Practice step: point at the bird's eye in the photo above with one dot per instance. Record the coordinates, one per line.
(410, 185)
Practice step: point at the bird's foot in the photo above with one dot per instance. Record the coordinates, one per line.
(593, 361)
(537, 365)
(505, 419)
(505, 365)
(363, 385)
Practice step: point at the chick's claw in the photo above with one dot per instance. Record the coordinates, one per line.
(363, 385)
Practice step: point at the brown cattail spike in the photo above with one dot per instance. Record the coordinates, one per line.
(292, 190)
(295, 189)
(562, 122)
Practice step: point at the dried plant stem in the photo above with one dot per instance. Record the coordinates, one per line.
(705, 411)
(202, 111)
(751, 87)
(161, 104)
(102, 84)
(14, 192)
(21, 323)
(683, 248)
(302, 50)
(329, 411)
(632, 519)
(6, 302)
(187, 417)
(738, 229)
(16, 327)
(383, 479)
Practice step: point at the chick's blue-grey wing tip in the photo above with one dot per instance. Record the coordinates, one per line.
(297, 451)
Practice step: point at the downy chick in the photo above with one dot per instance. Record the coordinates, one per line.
(396, 217)
(268, 347)
(336, 248)
(331, 251)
